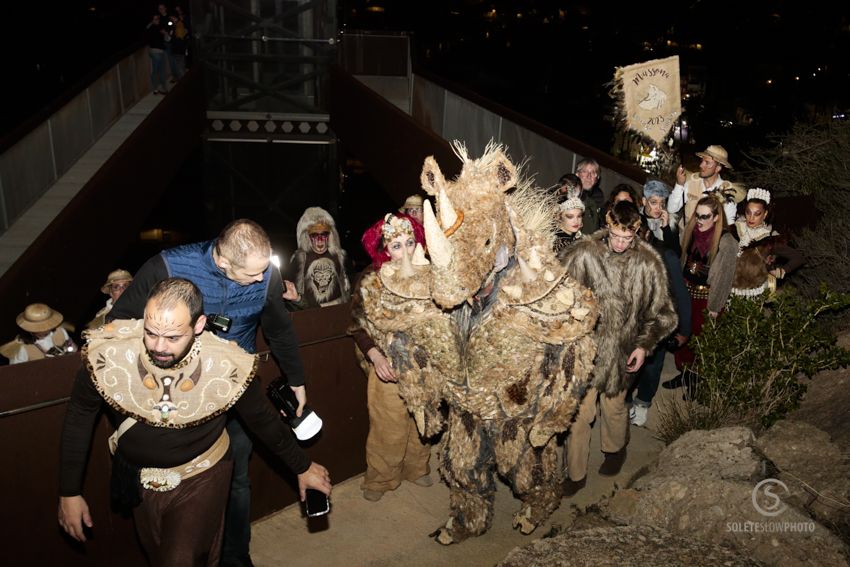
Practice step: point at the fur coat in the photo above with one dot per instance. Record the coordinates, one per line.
(634, 299)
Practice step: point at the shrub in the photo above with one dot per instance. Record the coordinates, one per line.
(751, 361)
(811, 161)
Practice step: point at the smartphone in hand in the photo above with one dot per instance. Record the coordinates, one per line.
(317, 503)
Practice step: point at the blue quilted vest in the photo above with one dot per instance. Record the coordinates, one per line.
(242, 303)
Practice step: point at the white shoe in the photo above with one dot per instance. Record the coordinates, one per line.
(631, 412)
(638, 415)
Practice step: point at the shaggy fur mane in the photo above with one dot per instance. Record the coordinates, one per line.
(535, 207)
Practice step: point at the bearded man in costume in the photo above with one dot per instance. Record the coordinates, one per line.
(167, 386)
(690, 188)
(629, 281)
(318, 266)
(494, 327)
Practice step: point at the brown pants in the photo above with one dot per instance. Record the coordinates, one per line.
(183, 527)
(615, 426)
(394, 450)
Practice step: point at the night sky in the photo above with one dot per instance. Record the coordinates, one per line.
(766, 61)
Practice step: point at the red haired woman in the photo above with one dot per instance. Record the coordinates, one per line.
(394, 450)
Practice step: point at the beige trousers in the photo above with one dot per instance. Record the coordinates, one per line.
(394, 450)
(615, 427)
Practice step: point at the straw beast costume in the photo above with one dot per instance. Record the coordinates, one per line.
(496, 328)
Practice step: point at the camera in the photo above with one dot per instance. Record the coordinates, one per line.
(282, 396)
(218, 323)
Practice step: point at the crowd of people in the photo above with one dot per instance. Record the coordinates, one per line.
(659, 261)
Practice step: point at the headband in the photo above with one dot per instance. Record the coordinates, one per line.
(759, 193)
(394, 226)
(571, 203)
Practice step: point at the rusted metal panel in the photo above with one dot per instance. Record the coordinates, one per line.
(29, 443)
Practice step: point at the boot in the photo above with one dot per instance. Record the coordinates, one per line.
(613, 463)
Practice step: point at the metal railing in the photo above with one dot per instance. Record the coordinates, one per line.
(382, 63)
(33, 163)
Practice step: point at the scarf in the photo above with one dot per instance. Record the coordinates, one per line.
(702, 240)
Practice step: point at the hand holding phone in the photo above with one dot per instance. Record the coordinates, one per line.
(317, 503)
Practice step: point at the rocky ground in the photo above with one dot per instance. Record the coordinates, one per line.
(726, 497)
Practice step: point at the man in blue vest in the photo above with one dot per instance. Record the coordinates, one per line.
(238, 283)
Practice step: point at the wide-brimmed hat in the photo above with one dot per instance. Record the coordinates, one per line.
(38, 317)
(718, 154)
(412, 202)
(115, 276)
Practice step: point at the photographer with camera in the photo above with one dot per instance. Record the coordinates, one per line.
(157, 37)
(241, 291)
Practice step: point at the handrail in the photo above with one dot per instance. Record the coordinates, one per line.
(39, 152)
(605, 160)
(18, 132)
(55, 402)
(33, 407)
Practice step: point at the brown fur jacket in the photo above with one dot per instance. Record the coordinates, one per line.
(635, 305)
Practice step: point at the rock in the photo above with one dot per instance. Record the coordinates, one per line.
(703, 487)
(717, 454)
(624, 546)
(825, 405)
(813, 468)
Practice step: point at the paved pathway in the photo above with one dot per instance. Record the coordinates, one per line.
(394, 531)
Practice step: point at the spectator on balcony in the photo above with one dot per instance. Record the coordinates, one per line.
(184, 17)
(43, 336)
(156, 35)
(116, 282)
(179, 32)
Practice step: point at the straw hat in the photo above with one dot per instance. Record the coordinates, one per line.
(38, 317)
(116, 276)
(412, 202)
(718, 154)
